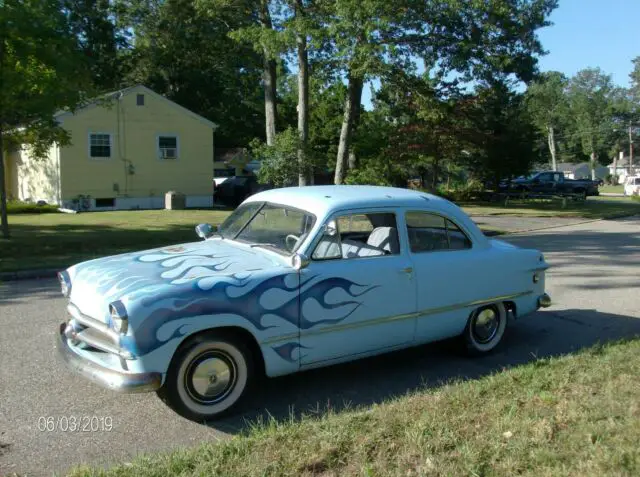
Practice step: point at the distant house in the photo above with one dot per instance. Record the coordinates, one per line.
(577, 171)
(128, 148)
(621, 168)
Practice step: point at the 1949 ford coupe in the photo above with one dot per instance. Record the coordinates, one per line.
(294, 278)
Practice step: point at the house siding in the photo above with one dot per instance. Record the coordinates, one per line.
(11, 160)
(134, 134)
(34, 178)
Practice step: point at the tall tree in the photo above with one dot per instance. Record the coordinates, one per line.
(470, 39)
(93, 24)
(303, 91)
(547, 103)
(42, 70)
(269, 74)
(183, 51)
(590, 95)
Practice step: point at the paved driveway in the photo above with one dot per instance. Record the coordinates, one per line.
(595, 283)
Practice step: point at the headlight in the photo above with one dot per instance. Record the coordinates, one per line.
(119, 318)
(65, 283)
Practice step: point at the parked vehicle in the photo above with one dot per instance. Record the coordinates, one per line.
(294, 279)
(632, 186)
(551, 182)
(235, 189)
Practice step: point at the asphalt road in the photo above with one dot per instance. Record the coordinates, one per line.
(594, 282)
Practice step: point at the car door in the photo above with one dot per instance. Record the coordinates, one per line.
(448, 274)
(358, 293)
(543, 183)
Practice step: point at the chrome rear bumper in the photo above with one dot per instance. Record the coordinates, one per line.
(105, 377)
(544, 301)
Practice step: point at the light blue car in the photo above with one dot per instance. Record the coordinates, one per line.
(294, 279)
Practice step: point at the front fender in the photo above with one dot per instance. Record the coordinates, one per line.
(172, 334)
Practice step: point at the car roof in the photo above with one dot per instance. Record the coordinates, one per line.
(322, 199)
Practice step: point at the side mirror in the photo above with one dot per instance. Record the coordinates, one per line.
(205, 230)
(299, 261)
(331, 229)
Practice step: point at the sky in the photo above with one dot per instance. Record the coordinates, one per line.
(587, 33)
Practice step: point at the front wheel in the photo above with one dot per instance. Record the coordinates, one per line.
(208, 377)
(485, 328)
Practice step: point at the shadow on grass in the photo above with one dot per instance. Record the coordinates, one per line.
(32, 246)
(374, 380)
(593, 208)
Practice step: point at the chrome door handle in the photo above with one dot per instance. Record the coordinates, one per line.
(407, 270)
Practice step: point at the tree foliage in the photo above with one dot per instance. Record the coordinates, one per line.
(42, 70)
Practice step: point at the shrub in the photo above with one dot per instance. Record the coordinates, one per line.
(19, 207)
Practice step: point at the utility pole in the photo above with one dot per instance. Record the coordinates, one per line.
(630, 150)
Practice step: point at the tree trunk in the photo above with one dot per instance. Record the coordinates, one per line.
(630, 151)
(3, 192)
(353, 158)
(303, 102)
(269, 78)
(593, 166)
(552, 148)
(354, 93)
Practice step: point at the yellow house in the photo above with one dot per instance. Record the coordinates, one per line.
(127, 150)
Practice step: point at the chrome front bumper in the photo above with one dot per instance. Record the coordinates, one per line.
(105, 377)
(544, 301)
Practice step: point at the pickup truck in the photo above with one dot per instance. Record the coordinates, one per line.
(551, 182)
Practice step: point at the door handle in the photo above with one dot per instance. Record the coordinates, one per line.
(406, 270)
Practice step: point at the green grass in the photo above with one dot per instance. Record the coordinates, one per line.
(618, 189)
(577, 415)
(592, 208)
(60, 240)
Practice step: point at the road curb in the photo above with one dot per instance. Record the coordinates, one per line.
(28, 274)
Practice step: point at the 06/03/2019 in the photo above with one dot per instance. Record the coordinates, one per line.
(75, 423)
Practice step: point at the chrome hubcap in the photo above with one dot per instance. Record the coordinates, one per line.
(485, 325)
(210, 377)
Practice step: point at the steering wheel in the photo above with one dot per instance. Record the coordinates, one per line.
(291, 238)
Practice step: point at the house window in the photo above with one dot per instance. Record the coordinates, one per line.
(99, 145)
(140, 100)
(168, 147)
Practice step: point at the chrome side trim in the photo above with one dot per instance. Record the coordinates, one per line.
(105, 377)
(389, 319)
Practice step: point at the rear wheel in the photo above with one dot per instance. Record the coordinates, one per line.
(208, 377)
(485, 328)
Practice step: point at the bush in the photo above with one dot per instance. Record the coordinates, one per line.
(472, 190)
(19, 207)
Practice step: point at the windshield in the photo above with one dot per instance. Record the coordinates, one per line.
(277, 227)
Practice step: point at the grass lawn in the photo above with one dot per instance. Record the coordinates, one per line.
(578, 415)
(60, 240)
(618, 189)
(592, 208)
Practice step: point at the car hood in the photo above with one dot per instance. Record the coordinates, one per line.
(175, 269)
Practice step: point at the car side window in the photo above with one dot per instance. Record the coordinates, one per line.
(430, 232)
(359, 235)
(545, 177)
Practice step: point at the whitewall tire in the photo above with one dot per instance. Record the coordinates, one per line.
(209, 375)
(485, 329)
